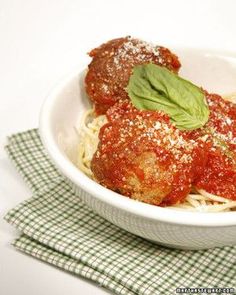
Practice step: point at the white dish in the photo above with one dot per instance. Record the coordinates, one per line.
(62, 111)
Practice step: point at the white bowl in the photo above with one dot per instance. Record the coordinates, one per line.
(62, 111)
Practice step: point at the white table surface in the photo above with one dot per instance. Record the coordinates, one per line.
(43, 41)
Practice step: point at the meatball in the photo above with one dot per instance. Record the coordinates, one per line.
(142, 155)
(219, 176)
(112, 63)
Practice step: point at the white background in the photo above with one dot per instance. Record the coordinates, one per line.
(43, 41)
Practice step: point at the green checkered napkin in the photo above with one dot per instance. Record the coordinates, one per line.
(59, 229)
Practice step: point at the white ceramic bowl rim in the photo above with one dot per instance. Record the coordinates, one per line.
(97, 191)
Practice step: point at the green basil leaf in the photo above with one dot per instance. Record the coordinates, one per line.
(152, 87)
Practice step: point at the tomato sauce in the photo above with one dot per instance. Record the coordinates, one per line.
(219, 174)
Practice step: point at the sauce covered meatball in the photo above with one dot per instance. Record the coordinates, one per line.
(112, 63)
(142, 155)
(219, 175)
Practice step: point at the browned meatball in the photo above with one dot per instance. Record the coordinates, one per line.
(112, 64)
(142, 155)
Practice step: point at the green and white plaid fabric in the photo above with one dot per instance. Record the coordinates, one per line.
(59, 229)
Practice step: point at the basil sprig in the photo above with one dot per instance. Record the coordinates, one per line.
(152, 87)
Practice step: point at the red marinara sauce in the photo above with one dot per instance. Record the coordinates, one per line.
(219, 174)
(142, 155)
